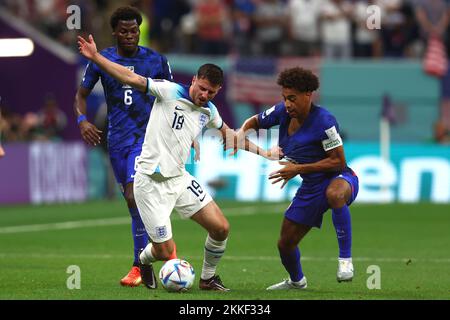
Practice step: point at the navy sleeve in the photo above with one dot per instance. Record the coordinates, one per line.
(271, 117)
(167, 72)
(91, 76)
(328, 121)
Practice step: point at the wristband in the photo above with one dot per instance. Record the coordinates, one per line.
(81, 118)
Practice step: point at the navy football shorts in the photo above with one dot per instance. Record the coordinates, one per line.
(123, 163)
(310, 203)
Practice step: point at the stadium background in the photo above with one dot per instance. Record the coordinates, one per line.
(49, 177)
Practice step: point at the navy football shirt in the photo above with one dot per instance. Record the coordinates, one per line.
(128, 108)
(318, 134)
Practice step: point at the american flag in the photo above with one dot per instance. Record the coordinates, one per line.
(254, 80)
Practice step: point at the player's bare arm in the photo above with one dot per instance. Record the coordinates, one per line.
(89, 50)
(89, 132)
(335, 161)
(242, 141)
(232, 141)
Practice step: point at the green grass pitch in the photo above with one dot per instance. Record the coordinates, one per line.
(409, 243)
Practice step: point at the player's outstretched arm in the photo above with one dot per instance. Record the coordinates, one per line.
(242, 141)
(89, 50)
(235, 142)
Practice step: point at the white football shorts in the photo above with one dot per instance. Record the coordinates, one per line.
(157, 196)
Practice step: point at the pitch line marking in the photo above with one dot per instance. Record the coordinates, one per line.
(229, 212)
(225, 257)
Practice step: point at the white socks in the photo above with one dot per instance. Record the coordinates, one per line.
(146, 256)
(214, 250)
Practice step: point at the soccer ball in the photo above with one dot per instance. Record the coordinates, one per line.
(177, 275)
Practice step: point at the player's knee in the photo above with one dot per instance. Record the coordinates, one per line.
(221, 231)
(335, 198)
(285, 245)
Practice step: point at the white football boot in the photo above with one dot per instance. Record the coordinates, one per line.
(288, 284)
(345, 269)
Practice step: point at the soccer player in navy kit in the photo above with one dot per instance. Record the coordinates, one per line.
(312, 147)
(128, 114)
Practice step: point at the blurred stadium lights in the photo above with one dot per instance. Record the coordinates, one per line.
(18, 47)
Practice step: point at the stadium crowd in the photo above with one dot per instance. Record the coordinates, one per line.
(44, 125)
(325, 28)
(331, 28)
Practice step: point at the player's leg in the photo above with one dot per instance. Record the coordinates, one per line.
(155, 199)
(212, 219)
(197, 204)
(340, 193)
(140, 237)
(119, 165)
(290, 236)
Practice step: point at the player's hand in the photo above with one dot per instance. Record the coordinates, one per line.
(289, 171)
(275, 153)
(90, 133)
(196, 147)
(2, 152)
(87, 48)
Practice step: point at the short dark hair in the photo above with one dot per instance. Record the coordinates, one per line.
(125, 13)
(300, 79)
(212, 73)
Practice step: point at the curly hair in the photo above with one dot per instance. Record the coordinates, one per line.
(300, 79)
(125, 13)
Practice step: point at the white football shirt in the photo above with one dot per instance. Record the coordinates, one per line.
(174, 123)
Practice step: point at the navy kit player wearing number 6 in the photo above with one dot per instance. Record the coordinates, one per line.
(179, 115)
(128, 114)
(312, 147)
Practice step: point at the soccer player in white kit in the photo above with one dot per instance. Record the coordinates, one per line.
(161, 183)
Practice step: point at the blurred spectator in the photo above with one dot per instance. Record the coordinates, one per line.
(365, 39)
(50, 15)
(253, 27)
(432, 16)
(29, 127)
(336, 29)
(50, 120)
(165, 18)
(11, 124)
(213, 21)
(398, 27)
(243, 26)
(441, 133)
(304, 27)
(270, 19)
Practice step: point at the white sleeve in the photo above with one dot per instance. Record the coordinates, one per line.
(161, 89)
(215, 120)
(334, 139)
